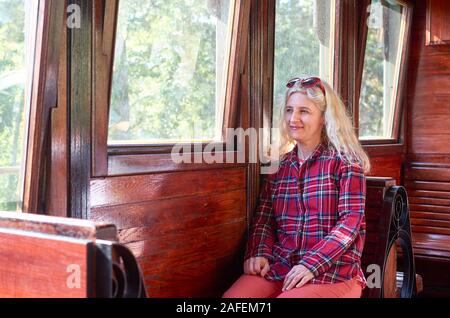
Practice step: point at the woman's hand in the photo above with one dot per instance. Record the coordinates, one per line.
(256, 265)
(298, 276)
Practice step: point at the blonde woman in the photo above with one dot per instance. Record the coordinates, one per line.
(308, 232)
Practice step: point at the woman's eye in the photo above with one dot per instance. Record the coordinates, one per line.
(288, 110)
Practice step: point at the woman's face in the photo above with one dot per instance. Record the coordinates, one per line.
(303, 119)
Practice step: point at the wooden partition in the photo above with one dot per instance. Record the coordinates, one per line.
(428, 159)
(187, 228)
(51, 257)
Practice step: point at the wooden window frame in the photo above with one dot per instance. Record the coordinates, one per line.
(400, 85)
(43, 100)
(135, 159)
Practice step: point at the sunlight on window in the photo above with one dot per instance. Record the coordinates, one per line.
(304, 34)
(18, 21)
(170, 71)
(382, 62)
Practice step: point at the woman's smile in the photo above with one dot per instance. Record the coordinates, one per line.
(295, 128)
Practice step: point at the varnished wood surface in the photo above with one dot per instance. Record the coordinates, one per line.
(184, 227)
(387, 166)
(193, 211)
(66, 227)
(437, 23)
(428, 91)
(43, 98)
(80, 108)
(157, 163)
(104, 31)
(427, 161)
(37, 266)
(57, 166)
(141, 188)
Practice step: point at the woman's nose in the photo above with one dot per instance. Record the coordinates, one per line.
(295, 116)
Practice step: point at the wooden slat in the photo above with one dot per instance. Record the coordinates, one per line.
(152, 163)
(429, 208)
(431, 223)
(430, 230)
(73, 228)
(427, 185)
(429, 194)
(429, 201)
(428, 173)
(187, 211)
(190, 245)
(194, 280)
(431, 241)
(125, 190)
(430, 215)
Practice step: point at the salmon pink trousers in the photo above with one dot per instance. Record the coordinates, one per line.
(251, 286)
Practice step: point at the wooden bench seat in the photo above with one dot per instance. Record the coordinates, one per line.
(54, 257)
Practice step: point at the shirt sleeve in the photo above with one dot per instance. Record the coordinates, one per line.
(351, 204)
(262, 232)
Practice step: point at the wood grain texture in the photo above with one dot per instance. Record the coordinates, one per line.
(80, 108)
(58, 170)
(157, 163)
(66, 227)
(437, 23)
(201, 210)
(25, 270)
(104, 30)
(184, 227)
(427, 161)
(386, 166)
(43, 99)
(140, 188)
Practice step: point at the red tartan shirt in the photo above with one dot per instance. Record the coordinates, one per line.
(312, 214)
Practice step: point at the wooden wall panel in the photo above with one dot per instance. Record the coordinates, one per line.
(427, 163)
(186, 228)
(438, 25)
(428, 91)
(128, 189)
(387, 166)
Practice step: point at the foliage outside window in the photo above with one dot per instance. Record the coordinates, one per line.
(18, 20)
(170, 69)
(382, 60)
(304, 33)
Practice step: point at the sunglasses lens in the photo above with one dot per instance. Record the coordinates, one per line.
(292, 82)
(310, 81)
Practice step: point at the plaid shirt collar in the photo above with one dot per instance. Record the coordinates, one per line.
(292, 156)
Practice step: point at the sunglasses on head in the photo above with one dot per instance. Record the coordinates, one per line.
(307, 83)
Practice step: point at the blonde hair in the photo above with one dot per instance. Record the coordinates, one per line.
(338, 130)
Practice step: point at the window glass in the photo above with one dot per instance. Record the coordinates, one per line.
(382, 60)
(304, 33)
(18, 21)
(169, 73)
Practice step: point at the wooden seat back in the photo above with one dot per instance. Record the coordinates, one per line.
(388, 230)
(51, 257)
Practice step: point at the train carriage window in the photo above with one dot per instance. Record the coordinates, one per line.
(304, 33)
(169, 72)
(381, 72)
(18, 22)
